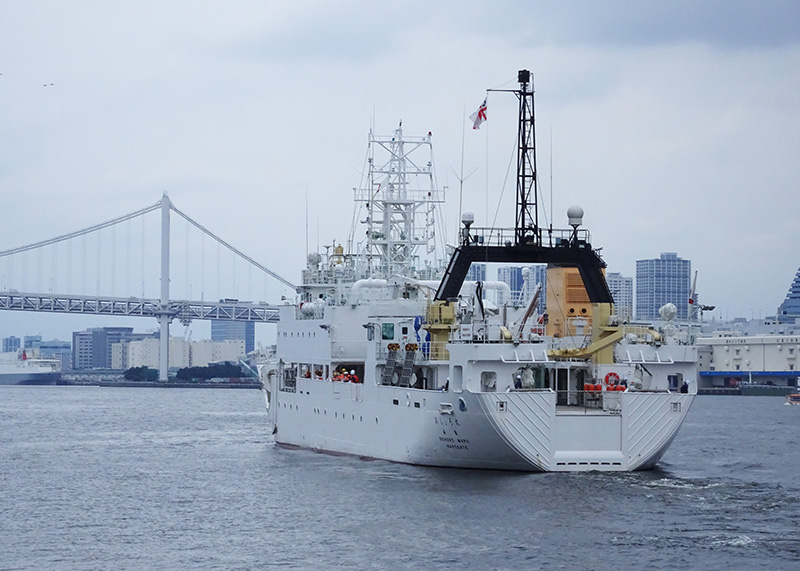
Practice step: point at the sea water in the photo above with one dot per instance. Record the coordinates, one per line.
(135, 478)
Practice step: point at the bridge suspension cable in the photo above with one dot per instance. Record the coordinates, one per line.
(83, 232)
(231, 248)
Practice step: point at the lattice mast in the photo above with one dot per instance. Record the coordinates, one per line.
(527, 223)
(401, 201)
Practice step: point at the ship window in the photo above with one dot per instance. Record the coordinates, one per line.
(387, 330)
(676, 381)
(457, 383)
(288, 378)
(423, 378)
(488, 381)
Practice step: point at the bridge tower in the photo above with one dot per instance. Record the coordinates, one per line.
(164, 316)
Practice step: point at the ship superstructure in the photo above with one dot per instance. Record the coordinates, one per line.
(390, 354)
(17, 368)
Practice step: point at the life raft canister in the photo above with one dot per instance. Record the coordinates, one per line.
(612, 378)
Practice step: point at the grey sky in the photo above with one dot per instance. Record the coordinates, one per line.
(674, 124)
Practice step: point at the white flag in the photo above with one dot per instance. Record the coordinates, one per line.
(479, 116)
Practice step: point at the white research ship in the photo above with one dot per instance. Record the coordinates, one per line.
(390, 354)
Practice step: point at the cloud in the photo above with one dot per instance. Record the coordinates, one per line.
(734, 24)
(673, 124)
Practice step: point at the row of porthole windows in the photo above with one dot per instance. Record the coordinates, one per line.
(299, 334)
(325, 412)
(396, 402)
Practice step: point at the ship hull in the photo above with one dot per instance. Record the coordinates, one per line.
(26, 378)
(524, 431)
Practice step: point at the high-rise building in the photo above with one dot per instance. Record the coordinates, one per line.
(621, 289)
(789, 310)
(205, 352)
(476, 273)
(11, 344)
(121, 351)
(56, 349)
(91, 349)
(145, 352)
(235, 331)
(82, 350)
(522, 280)
(512, 275)
(537, 274)
(663, 280)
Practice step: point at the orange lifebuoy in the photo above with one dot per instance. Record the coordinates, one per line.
(611, 378)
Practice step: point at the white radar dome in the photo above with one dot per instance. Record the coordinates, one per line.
(668, 311)
(575, 215)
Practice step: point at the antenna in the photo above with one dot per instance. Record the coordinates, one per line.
(461, 178)
(526, 228)
(306, 221)
(550, 231)
(527, 224)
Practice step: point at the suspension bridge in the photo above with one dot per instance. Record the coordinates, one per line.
(101, 259)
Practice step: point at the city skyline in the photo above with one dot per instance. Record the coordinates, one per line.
(624, 288)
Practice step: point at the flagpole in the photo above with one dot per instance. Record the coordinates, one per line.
(461, 179)
(486, 181)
